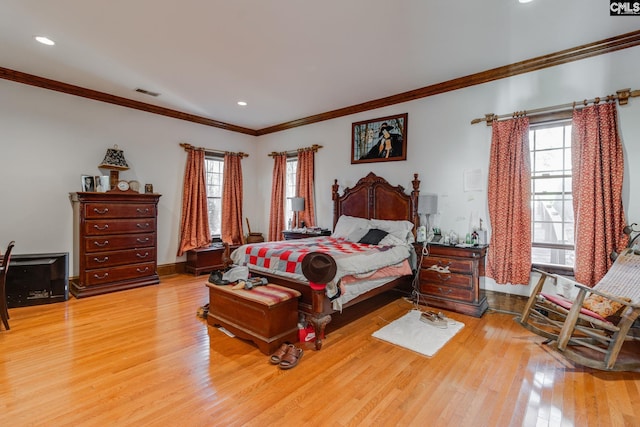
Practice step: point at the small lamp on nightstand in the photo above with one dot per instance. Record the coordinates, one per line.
(427, 205)
(114, 161)
(297, 205)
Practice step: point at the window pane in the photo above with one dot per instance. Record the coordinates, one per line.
(292, 170)
(214, 167)
(552, 256)
(551, 199)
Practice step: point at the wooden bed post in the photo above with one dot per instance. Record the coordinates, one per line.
(317, 319)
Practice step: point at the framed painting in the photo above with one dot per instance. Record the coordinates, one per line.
(379, 140)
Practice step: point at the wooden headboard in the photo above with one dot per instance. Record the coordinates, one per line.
(374, 197)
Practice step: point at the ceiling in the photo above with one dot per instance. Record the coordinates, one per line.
(288, 59)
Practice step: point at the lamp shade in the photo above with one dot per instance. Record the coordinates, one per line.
(297, 204)
(114, 159)
(428, 204)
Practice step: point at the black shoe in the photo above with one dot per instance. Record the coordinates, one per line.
(216, 278)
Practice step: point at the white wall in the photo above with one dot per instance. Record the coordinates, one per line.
(442, 143)
(49, 139)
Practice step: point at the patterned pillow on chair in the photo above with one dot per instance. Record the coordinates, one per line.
(604, 306)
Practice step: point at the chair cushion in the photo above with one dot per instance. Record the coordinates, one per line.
(565, 303)
(603, 305)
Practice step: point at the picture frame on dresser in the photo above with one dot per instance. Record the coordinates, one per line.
(88, 183)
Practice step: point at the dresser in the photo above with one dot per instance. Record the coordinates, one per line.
(450, 278)
(115, 241)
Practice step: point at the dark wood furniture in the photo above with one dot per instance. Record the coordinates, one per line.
(293, 235)
(4, 269)
(115, 241)
(267, 321)
(36, 279)
(371, 197)
(450, 278)
(206, 260)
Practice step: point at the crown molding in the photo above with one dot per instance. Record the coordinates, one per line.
(577, 53)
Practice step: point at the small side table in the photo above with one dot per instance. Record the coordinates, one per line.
(295, 234)
(206, 260)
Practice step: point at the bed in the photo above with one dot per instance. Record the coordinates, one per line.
(371, 204)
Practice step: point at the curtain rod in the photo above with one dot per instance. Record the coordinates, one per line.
(188, 147)
(314, 147)
(622, 96)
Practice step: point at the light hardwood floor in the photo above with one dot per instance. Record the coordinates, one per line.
(142, 357)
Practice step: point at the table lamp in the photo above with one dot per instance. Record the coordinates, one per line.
(427, 205)
(297, 205)
(115, 162)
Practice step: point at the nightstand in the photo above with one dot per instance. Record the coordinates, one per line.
(450, 278)
(295, 234)
(206, 260)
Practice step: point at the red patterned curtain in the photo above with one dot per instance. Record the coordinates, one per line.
(509, 193)
(598, 170)
(194, 224)
(305, 185)
(278, 191)
(231, 226)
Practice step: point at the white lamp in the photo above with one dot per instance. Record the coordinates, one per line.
(297, 205)
(427, 205)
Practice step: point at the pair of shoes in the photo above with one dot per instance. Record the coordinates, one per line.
(276, 357)
(435, 319)
(291, 359)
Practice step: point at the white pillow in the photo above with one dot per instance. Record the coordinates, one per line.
(346, 225)
(391, 240)
(357, 234)
(401, 229)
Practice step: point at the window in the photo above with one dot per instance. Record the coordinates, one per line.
(551, 198)
(292, 169)
(214, 168)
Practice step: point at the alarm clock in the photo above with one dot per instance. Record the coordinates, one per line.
(123, 185)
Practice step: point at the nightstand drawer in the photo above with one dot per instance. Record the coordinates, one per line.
(448, 292)
(452, 280)
(464, 266)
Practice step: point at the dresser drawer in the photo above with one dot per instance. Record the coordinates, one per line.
(119, 241)
(110, 259)
(97, 227)
(107, 275)
(122, 210)
(464, 266)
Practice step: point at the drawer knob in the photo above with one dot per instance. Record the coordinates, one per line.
(142, 270)
(145, 240)
(97, 227)
(139, 255)
(103, 244)
(142, 211)
(445, 291)
(105, 259)
(145, 225)
(104, 276)
(101, 211)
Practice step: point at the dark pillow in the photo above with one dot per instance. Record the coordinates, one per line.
(373, 236)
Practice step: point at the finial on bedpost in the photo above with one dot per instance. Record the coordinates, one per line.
(414, 201)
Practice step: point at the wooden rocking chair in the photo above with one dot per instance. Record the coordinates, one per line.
(592, 330)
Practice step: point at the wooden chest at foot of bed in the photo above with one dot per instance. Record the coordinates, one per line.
(266, 315)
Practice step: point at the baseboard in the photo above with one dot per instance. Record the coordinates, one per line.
(504, 302)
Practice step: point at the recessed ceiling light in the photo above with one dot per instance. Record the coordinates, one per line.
(45, 40)
(242, 103)
(525, 1)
